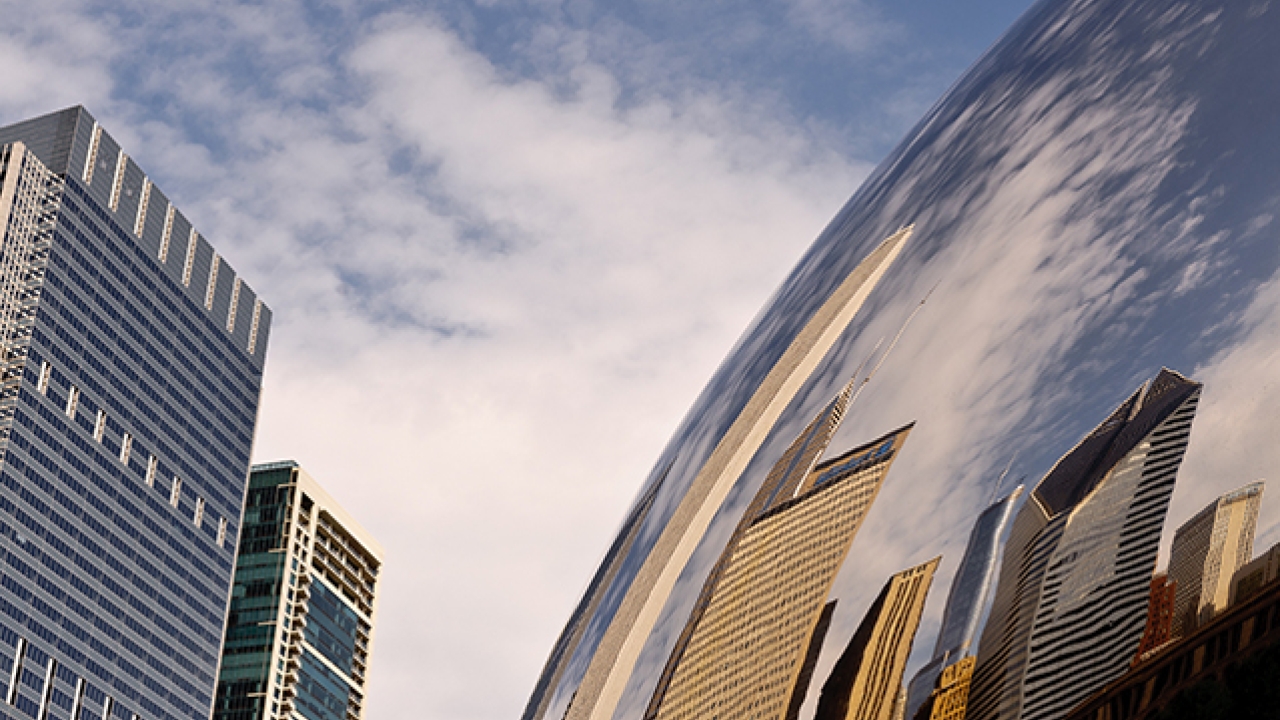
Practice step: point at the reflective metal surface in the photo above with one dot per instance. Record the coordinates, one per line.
(1095, 199)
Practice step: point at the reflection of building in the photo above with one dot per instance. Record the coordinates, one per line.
(1214, 651)
(785, 480)
(966, 601)
(950, 698)
(866, 682)
(303, 608)
(618, 631)
(746, 654)
(132, 362)
(1159, 628)
(1072, 598)
(1207, 551)
(1250, 578)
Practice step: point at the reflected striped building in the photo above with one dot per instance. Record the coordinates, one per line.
(1071, 603)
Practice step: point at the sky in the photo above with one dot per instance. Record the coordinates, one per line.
(507, 243)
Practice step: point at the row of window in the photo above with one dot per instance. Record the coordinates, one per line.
(126, 448)
(49, 696)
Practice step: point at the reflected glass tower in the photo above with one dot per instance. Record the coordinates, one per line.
(128, 398)
(1207, 551)
(1072, 599)
(303, 607)
(967, 600)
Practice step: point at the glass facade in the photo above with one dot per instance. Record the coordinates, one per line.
(126, 421)
(300, 631)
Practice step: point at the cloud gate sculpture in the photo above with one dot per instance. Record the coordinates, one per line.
(1094, 201)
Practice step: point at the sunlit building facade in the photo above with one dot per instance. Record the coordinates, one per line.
(967, 600)
(303, 608)
(747, 652)
(1159, 629)
(866, 682)
(1071, 602)
(132, 363)
(1207, 551)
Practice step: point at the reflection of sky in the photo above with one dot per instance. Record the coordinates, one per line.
(1095, 199)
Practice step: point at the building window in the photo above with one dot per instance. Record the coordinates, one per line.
(231, 312)
(213, 281)
(168, 233)
(19, 654)
(42, 385)
(77, 703)
(175, 491)
(152, 462)
(191, 257)
(73, 401)
(100, 426)
(117, 183)
(92, 158)
(47, 693)
(222, 531)
(126, 446)
(199, 516)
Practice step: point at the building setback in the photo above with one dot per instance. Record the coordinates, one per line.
(967, 600)
(866, 682)
(132, 363)
(303, 607)
(1207, 550)
(749, 648)
(1071, 602)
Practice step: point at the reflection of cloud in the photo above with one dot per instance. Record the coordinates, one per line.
(1234, 441)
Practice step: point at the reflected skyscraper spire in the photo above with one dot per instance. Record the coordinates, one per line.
(1072, 598)
(967, 599)
(611, 658)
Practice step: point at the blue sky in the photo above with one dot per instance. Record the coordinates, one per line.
(506, 244)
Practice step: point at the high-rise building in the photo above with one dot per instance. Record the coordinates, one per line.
(748, 650)
(967, 600)
(1207, 551)
(1071, 602)
(132, 364)
(1255, 575)
(303, 607)
(618, 631)
(1159, 629)
(866, 681)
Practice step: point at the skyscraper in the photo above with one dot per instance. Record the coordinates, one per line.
(132, 365)
(747, 651)
(967, 600)
(303, 606)
(1207, 551)
(1254, 575)
(866, 682)
(1072, 598)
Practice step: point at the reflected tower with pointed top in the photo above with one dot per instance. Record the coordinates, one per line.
(1071, 602)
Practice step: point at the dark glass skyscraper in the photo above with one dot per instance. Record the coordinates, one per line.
(966, 602)
(132, 364)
